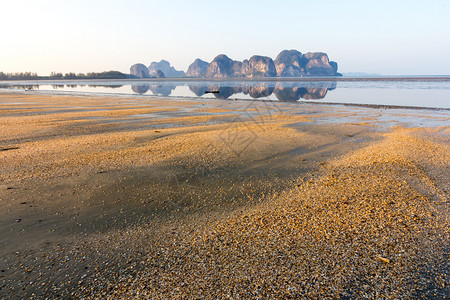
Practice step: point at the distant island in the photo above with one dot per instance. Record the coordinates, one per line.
(289, 63)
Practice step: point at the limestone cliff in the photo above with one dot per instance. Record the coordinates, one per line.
(318, 64)
(259, 66)
(139, 70)
(165, 67)
(197, 69)
(159, 74)
(290, 63)
(222, 67)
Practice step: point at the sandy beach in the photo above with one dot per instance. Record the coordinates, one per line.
(151, 197)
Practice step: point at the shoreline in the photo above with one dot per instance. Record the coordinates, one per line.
(264, 79)
(209, 198)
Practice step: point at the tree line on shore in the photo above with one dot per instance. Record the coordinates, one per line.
(61, 76)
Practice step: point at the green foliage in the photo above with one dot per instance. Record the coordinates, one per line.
(55, 75)
(106, 75)
(70, 76)
(58, 76)
(18, 76)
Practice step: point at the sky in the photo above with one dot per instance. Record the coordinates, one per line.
(390, 37)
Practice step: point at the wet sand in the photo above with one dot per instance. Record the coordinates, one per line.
(135, 197)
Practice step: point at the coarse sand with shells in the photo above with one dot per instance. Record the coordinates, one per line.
(304, 211)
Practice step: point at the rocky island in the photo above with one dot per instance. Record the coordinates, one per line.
(198, 68)
(164, 68)
(155, 70)
(289, 63)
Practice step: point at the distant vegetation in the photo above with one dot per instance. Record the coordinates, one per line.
(18, 76)
(54, 75)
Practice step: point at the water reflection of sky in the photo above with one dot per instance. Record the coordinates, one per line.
(435, 94)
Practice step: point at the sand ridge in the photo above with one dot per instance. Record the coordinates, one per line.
(358, 229)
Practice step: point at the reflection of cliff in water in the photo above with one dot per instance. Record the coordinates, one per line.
(198, 90)
(156, 89)
(219, 91)
(314, 93)
(318, 90)
(27, 87)
(111, 86)
(285, 91)
(140, 88)
(257, 91)
(162, 89)
(282, 90)
(223, 91)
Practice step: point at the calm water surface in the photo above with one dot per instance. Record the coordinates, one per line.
(415, 93)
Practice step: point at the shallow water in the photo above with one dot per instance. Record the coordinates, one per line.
(392, 92)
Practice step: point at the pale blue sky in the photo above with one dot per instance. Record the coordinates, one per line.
(387, 37)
